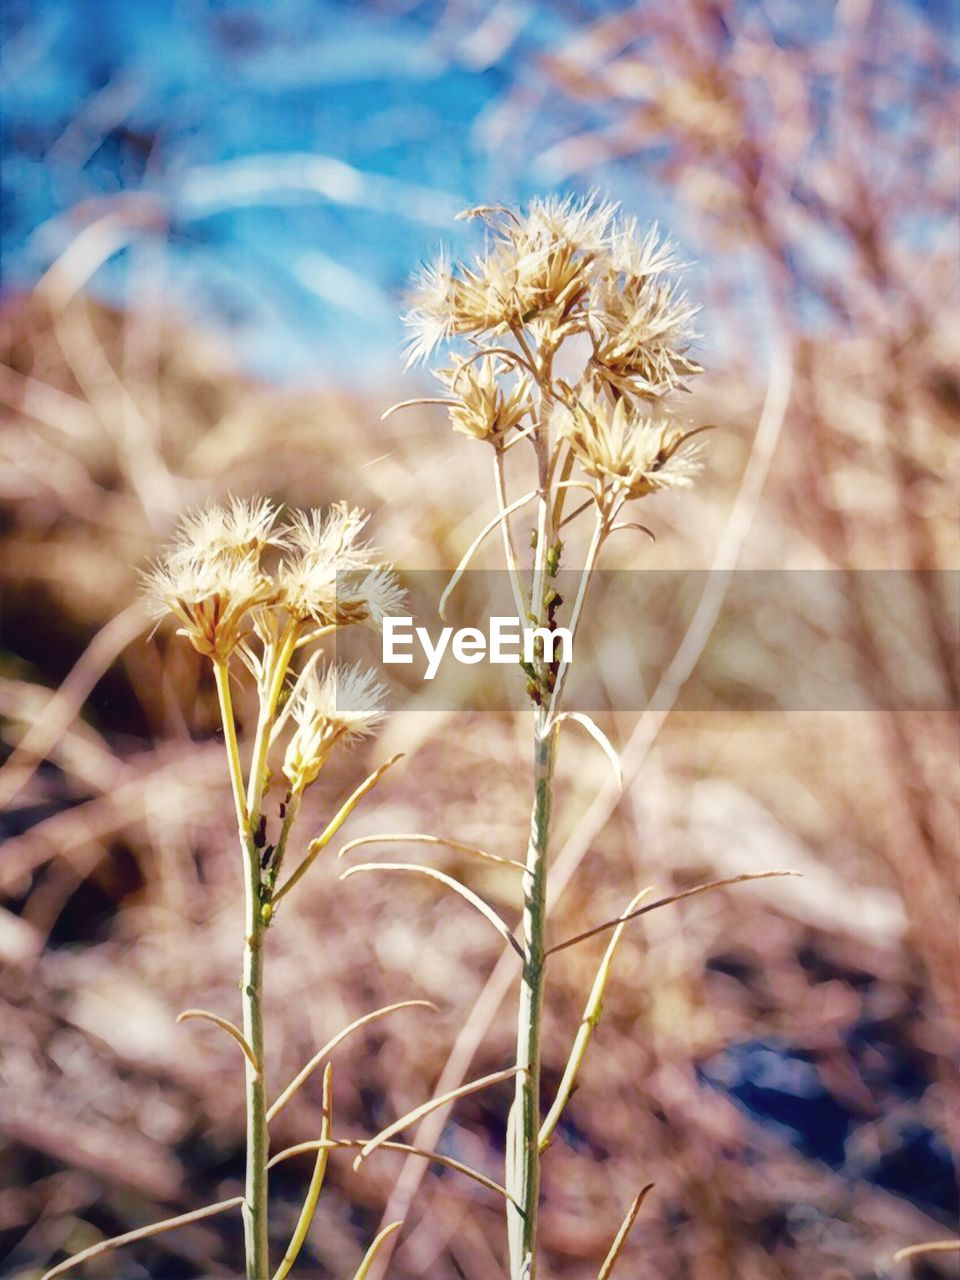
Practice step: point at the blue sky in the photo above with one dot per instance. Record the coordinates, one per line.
(308, 155)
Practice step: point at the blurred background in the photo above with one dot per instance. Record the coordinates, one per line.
(209, 213)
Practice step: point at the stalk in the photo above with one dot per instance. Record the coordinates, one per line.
(255, 1193)
(254, 1208)
(523, 1131)
(523, 1180)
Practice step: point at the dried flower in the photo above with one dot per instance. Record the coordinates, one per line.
(337, 705)
(241, 528)
(212, 596)
(642, 332)
(485, 408)
(332, 576)
(624, 449)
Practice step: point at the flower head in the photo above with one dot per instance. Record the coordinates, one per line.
(211, 595)
(241, 528)
(625, 450)
(486, 408)
(642, 336)
(335, 706)
(325, 549)
(536, 271)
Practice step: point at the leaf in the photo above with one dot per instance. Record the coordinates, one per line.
(409, 404)
(433, 1105)
(620, 1240)
(933, 1246)
(141, 1233)
(368, 1259)
(599, 737)
(333, 826)
(394, 837)
(591, 1016)
(432, 874)
(316, 1182)
(304, 1074)
(354, 1144)
(225, 1025)
(487, 528)
(666, 902)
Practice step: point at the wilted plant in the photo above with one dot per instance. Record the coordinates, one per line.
(573, 336)
(253, 596)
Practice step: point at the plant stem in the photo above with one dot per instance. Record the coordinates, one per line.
(523, 1156)
(254, 1208)
(255, 1201)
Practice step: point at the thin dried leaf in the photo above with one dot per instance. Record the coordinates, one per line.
(471, 550)
(588, 1023)
(417, 837)
(431, 873)
(226, 1025)
(304, 1074)
(620, 1240)
(434, 1104)
(141, 1233)
(316, 1182)
(355, 1144)
(368, 1260)
(666, 902)
(599, 737)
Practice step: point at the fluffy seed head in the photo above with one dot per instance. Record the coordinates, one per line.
(327, 564)
(487, 407)
(240, 528)
(624, 450)
(212, 597)
(334, 706)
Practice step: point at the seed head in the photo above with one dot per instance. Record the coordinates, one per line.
(335, 706)
(239, 529)
(330, 575)
(212, 596)
(626, 451)
(487, 408)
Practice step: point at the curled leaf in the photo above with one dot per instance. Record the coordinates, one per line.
(599, 737)
(226, 1025)
(431, 873)
(591, 1016)
(368, 1260)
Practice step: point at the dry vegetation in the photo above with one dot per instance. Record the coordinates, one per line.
(119, 872)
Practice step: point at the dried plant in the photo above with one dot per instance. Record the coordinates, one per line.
(252, 595)
(576, 337)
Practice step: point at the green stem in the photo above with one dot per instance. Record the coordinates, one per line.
(255, 1197)
(254, 1208)
(523, 1154)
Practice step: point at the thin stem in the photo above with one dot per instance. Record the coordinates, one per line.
(291, 812)
(221, 675)
(523, 1145)
(509, 550)
(255, 1191)
(254, 1209)
(269, 697)
(599, 532)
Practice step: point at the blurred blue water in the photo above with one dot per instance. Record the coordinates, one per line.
(308, 153)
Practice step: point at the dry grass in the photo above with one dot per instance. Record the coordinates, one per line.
(118, 868)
